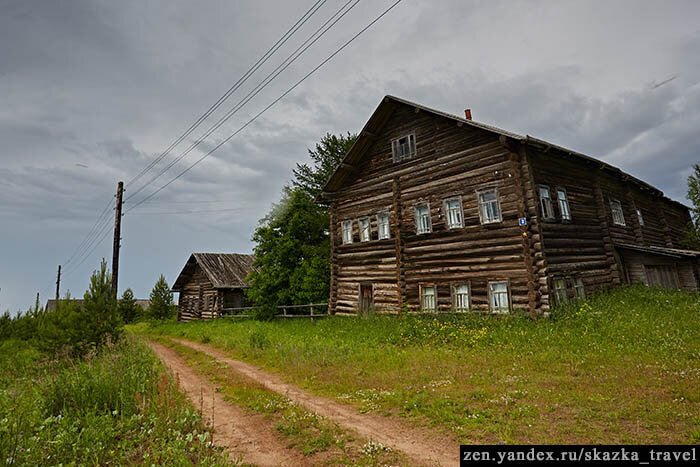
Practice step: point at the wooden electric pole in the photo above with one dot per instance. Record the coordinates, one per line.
(117, 239)
(58, 284)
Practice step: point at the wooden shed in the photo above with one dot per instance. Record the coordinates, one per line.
(211, 283)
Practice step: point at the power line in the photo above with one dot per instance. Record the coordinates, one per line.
(280, 42)
(329, 58)
(104, 232)
(198, 211)
(90, 233)
(310, 41)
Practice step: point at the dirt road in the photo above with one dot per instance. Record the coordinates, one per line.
(237, 431)
(420, 445)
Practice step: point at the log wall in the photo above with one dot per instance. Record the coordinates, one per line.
(451, 161)
(198, 298)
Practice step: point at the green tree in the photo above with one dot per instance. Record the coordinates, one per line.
(692, 237)
(161, 306)
(327, 155)
(292, 249)
(100, 314)
(292, 244)
(128, 309)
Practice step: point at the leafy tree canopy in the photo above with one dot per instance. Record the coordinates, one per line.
(327, 155)
(292, 243)
(692, 239)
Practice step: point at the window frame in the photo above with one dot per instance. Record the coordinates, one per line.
(343, 230)
(388, 226)
(369, 228)
(640, 217)
(558, 299)
(490, 294)
(447, 212)
(552, 216)
(412, 148)
(612, 202)
(421, 288)
(416, 207)
(560, 189)
(453, 287)
(482, 191)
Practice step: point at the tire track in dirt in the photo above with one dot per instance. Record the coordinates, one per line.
(235, 430)
(422, 446)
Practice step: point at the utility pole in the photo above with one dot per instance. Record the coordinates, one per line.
(58, 284)
(117, 239)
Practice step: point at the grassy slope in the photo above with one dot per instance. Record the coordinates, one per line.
(621, 368)
(116, 407)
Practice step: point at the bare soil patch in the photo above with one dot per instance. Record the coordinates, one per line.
(240, 433)
(420, 445)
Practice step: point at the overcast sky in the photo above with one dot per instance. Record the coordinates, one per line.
(93, 91)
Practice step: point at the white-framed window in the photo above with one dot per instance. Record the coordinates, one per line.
(499, 297)
(563, 204)
(404, 147)
(546, 203)
(383, 229)
(579, 290)
(640, 217)
(427, 298)
(460, 297)
(489, 208)
(423, 224)
(363, 223)
(453, 213)
(347, 232)
(560, 292)
(617, 214)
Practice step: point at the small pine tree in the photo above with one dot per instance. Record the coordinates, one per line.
(128, 309)
(102, 320)
(161, 306)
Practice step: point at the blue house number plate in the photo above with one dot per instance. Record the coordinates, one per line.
(522, 221)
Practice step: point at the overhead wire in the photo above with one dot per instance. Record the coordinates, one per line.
(254, 118)
(271, 51)
(291, 58)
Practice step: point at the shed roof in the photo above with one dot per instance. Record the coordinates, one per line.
(386, 107)
(673, 252)
(224, 270)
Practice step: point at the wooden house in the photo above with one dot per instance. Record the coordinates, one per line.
(211, 283)
(430, 211)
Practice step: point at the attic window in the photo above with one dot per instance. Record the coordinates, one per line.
(617, 214)
(640, 217)
(404, 147)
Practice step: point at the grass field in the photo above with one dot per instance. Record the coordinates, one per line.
(115, 407)
(623, 367)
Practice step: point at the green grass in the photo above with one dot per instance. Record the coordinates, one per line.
(113, 407)
(623, 367)
(322, 440)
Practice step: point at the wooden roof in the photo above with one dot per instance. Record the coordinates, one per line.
(657, 250)
(224, 270)
(386, 107)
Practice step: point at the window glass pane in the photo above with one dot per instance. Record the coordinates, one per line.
(461, 297)
(454, 213)
(617, 214)
(640, 217)
(546, 203)
(423, 219)
(499, 297)
(347, 231)
(428, 298)
(383, 226)
(490, 211)
(563, 205)
(364, 230)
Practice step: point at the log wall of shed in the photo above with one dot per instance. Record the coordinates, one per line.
(198, 298)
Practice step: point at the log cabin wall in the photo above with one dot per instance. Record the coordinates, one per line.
(198, 298)
(585, 245)
(451, 161)
(578, 245)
